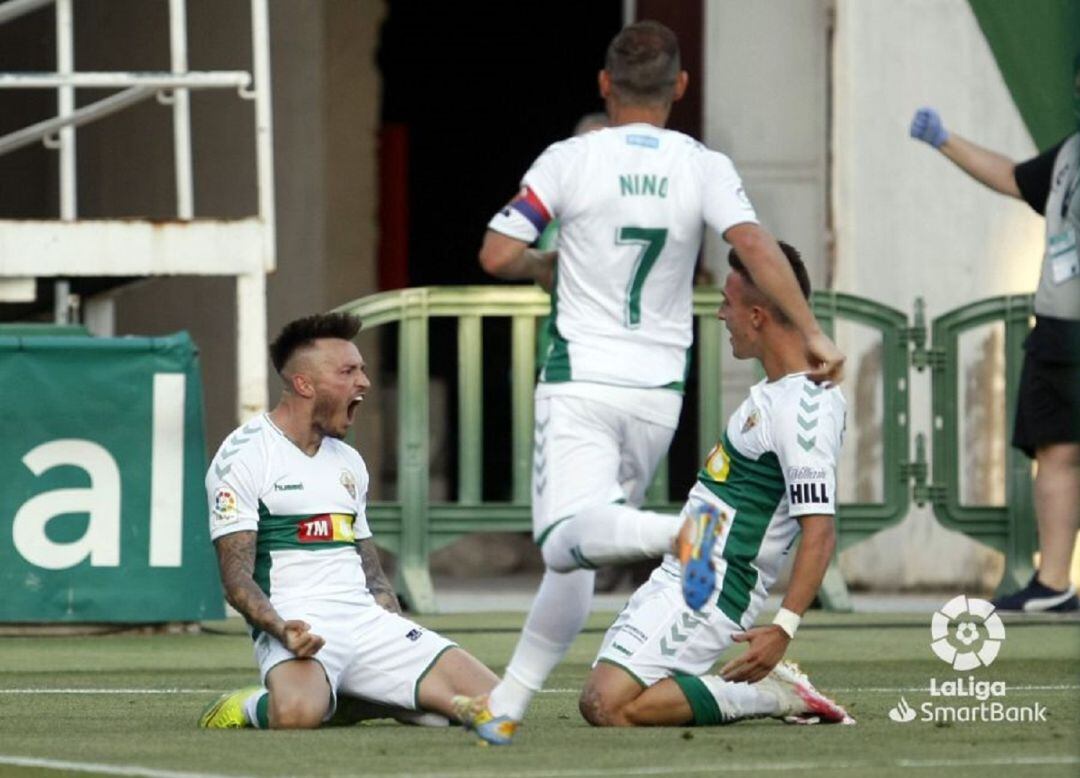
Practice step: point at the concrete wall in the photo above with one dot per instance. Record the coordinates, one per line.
(826, 159)
(908, 223)
(766, 107)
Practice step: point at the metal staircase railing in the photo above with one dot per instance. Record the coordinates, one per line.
(70, 247)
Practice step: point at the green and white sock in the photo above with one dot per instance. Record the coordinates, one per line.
(716, 701)
(256, 709)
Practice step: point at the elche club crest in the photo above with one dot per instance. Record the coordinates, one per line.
(349, 482)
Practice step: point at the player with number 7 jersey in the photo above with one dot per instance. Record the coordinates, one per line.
(633, 201)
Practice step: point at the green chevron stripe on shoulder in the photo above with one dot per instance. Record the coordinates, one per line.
(222, 465)
(807, 415)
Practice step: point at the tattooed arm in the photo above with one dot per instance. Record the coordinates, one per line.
(236, 561)
(377, 582)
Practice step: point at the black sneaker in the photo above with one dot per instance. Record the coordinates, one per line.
(1037, 598)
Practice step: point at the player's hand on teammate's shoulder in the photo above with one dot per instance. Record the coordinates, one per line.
(297, 636)
(826, 358)
(767, 645)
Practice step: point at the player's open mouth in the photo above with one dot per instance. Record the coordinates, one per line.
(354, 403)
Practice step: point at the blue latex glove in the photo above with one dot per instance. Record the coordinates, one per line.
(926, 126)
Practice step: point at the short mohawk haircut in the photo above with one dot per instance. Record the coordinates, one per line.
(303, 332)
(643, 62)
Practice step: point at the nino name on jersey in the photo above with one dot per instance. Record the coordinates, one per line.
(632, 202)
(307, 511)
(775, 462)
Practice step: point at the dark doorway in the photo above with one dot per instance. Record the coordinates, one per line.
(472, 94)
(481, 91)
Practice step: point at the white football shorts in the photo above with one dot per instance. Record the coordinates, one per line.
(657, 636)
(592, 451)
(369, 653)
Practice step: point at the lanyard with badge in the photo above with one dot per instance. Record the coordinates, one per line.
(1061, 247)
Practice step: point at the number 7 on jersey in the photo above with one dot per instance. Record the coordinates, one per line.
(652, 243)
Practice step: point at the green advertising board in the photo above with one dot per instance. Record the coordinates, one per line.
(102, 459)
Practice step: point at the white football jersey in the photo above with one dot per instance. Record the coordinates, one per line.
(307, 511)
(632, 202)
(776, 461)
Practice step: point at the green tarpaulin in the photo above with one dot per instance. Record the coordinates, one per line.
(1035, 43)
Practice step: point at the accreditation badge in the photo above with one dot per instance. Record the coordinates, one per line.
(1063, 254)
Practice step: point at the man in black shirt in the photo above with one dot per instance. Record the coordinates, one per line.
(1048, 404)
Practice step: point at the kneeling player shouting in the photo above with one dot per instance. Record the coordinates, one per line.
(288, 518)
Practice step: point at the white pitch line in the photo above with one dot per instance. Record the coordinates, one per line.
(107, 769)
(711, 768)
(841, 690)
(108, 691)
(718, 767)
(1017, 688)
(896, 689)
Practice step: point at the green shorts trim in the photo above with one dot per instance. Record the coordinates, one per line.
(625, 669)
(702, 703)
(420, 678)
(544, 535)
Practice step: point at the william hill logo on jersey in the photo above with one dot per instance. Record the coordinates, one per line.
(807, 486)
(810, 492)
(326, 528)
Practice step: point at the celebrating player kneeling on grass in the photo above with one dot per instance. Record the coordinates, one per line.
(288, 519)
(772, 473)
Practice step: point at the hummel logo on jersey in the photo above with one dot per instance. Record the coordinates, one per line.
(811, 492)
(298, 486)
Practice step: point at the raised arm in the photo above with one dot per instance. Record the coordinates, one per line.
(236, 562)
(772, 274)
(377, 582)
(985, 166)
(769, 642)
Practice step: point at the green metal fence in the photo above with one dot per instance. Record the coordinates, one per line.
(413, 526)
(1009, 528)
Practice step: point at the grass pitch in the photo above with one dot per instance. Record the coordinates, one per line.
(127, 705)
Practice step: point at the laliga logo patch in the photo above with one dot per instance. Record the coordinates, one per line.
(349, 482)
(224, 506)
(967, 647)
